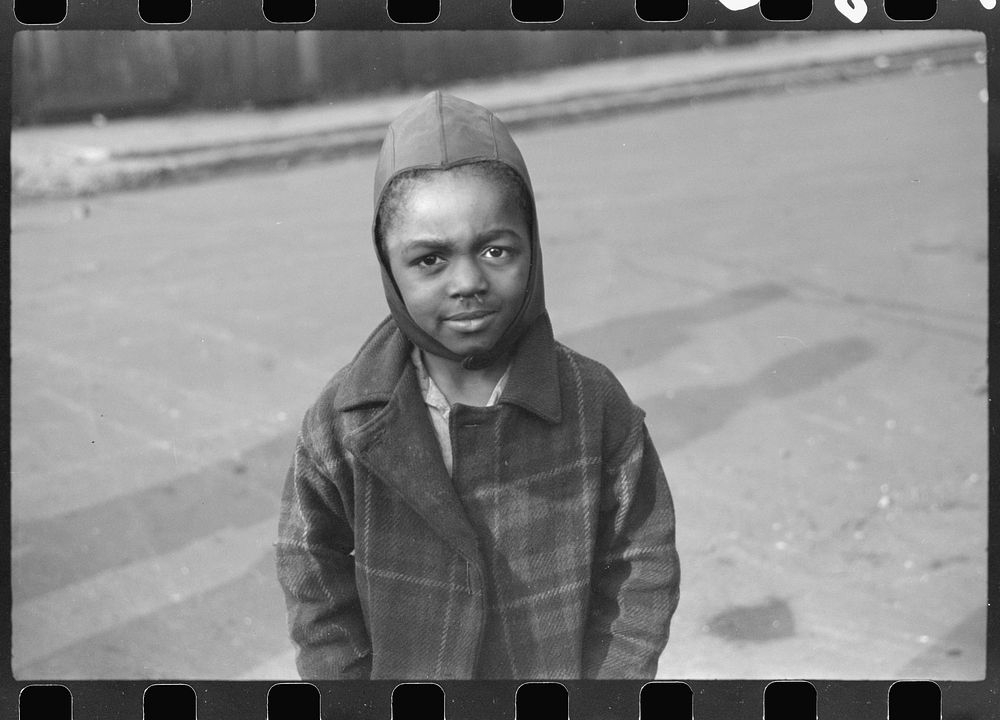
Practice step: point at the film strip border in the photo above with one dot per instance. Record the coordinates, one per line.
(451, 14)
(798, 700)
(734, 700)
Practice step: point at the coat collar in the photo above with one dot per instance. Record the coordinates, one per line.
(398, 444)
(381, 365)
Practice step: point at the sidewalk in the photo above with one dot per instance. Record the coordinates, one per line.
(87, 158)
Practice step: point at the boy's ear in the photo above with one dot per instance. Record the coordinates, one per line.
(380, 249)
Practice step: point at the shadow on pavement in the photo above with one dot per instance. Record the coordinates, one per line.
(695, 411)
(153, 521)
(964, 648)
(628, 342)
(217, 634)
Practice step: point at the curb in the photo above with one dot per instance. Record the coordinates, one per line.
(136, 170)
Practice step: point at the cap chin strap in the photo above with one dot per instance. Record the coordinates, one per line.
(477, 362)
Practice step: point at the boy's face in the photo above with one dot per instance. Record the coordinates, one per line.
(459, 250)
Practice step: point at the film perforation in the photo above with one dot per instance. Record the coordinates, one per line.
(40, 12)
(45, 702)
(414, 701)
(790, 700)
(537, 11)
(915, 700)
(422, 12)
(164, 12)
(910, 10)
(289, 12)
(661, 697)
(169, 701)
(541, 701)
(656, 11)
(294, 701)
(786, 10)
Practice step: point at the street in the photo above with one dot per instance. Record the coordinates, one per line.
(792, 286)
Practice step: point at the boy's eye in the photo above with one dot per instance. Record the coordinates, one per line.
(496, 252)
(429, 260)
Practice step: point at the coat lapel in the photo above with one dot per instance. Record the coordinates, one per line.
(398, 444)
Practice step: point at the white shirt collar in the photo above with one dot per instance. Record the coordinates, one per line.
(432, 393)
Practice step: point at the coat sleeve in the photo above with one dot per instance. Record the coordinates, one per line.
(316, 571)
(636, 576)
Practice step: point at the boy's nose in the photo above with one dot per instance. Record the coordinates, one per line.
(467, 278)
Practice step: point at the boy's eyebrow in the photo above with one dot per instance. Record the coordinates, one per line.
(498, 232)
(425, 244)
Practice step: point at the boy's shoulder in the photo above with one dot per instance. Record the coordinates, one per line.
(367, 378)
(595, 402)
(594, 381)
(592, 373)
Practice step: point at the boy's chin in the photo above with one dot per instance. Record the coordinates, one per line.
(468, 346)
(467, 349)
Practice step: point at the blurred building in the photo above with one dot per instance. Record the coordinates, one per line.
(68, 75)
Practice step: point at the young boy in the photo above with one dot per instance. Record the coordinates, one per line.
(468, 497)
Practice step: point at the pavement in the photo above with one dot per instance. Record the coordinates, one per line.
(797, 298)
(88, 158)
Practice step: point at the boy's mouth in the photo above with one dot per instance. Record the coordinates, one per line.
(470, 315)
(470, 321)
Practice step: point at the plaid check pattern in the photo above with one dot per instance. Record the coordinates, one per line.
(549, 553)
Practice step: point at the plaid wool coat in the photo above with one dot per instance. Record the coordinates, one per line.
(569, 550)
